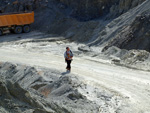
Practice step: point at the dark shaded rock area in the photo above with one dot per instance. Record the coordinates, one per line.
(90, 9)
(10, 6)
(79, 9)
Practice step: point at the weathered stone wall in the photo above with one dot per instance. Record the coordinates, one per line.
(21, 5)
(89, 9)
(135, 36)
(81, 9)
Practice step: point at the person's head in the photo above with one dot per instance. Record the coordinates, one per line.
(67, 49)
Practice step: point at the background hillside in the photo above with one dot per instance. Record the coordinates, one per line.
(101, 23)
(121, 23)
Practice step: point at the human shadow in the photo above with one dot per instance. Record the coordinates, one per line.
(64, 73)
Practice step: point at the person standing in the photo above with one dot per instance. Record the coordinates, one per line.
(68, 55)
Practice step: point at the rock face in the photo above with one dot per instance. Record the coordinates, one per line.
(9, 6)
(89, 9)
(135, 36)
(28, 90)
(128, 31)
(124, 6)
(82, 10)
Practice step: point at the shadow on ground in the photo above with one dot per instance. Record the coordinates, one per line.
(64, 73)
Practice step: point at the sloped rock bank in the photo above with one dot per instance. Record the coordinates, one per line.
(25, 89)
(136, 35)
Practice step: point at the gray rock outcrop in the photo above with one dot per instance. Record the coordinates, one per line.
(23, 89)
(136, 35)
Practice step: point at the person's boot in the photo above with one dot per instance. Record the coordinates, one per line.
(69, 69)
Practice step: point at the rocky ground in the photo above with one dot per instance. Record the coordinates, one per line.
(35, 90)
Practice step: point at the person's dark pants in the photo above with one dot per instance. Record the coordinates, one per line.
(68, 64)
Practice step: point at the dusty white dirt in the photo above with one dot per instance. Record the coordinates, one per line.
(132, 85)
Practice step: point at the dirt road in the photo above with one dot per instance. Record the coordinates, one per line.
(131, 84)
